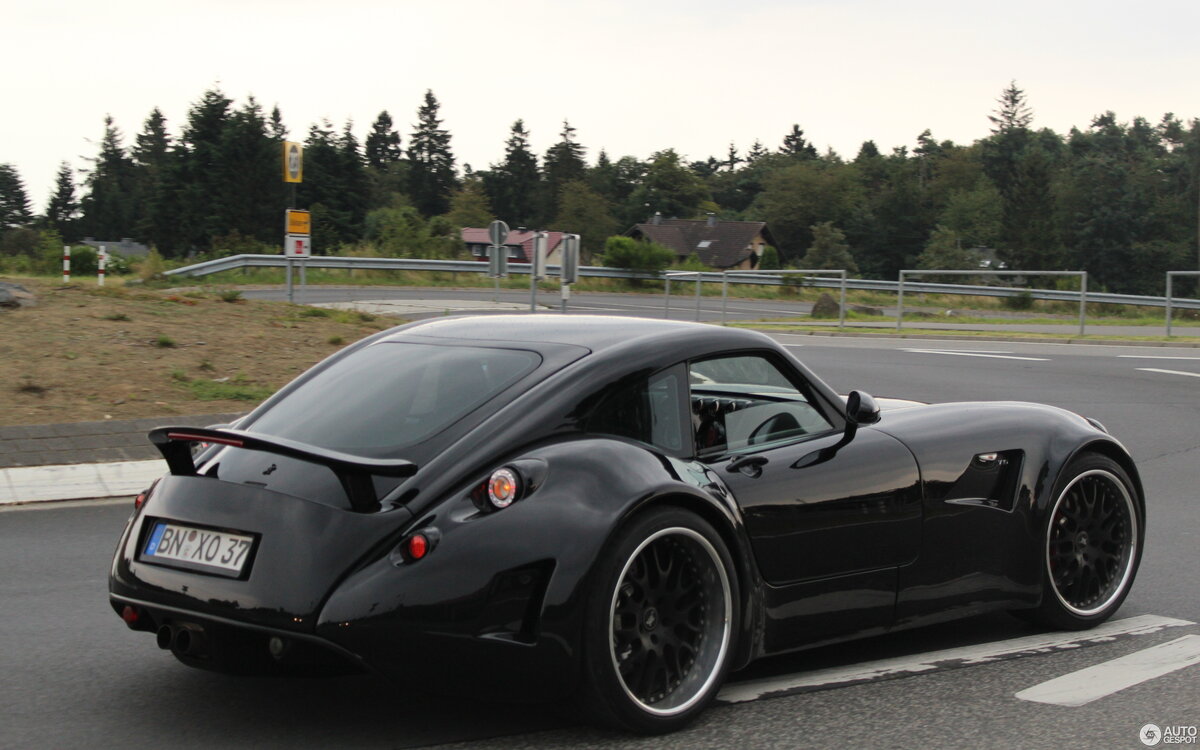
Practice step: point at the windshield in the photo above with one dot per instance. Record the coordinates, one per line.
(392, 394)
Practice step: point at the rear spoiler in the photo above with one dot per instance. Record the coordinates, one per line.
(354, 472)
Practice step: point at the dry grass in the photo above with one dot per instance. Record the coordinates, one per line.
(85, 353)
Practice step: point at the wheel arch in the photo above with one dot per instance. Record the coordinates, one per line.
(1112, 450)
(728, 524)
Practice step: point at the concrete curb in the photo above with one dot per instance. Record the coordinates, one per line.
(40, 484)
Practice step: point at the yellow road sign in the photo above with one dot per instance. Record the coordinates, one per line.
(293, 162)
(298, 222)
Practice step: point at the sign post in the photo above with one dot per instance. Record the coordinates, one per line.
(297, 244)
(297, 231)
(537, 266)
(497, 254)
(569, 269)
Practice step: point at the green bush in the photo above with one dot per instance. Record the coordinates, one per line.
(1021, 301)
(634, 255)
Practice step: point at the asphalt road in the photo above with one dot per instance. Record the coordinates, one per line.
(74, 676)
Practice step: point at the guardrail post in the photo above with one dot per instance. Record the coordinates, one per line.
(842, 304)
(900, 302)
(1082, 303)
(699, 285)
(724, 293)
(667, 297)
(1169, 275)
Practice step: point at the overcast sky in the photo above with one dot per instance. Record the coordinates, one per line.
(632, 77)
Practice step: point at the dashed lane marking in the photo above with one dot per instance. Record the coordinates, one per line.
(1156, 356)
(973, 353)
(1170, 372)
(1106, 678)
(741, 692)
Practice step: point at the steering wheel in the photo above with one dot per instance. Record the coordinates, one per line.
(778, 423)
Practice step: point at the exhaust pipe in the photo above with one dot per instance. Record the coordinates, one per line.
(190, 640)
(163, 637)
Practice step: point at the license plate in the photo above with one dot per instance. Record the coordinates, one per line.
(223, 552)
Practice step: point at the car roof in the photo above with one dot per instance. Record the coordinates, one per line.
(596, 332)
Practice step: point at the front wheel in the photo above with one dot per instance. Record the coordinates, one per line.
(1092, 544)
(660, 623)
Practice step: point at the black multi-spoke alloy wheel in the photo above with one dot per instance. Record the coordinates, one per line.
(1093, 544)
(661, 616)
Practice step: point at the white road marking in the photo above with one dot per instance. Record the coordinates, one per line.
(1093, 683)
(959, 353)
(1155, 356)
(1170, 372)
(750, 690)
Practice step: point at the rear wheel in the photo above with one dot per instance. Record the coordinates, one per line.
(660, 623)
(1092, 544)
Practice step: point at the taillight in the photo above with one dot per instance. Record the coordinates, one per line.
(417, 546)
(143, 496)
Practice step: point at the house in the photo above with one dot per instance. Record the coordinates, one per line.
(519, 244)
(727, 245)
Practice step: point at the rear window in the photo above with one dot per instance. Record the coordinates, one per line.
(393, 394)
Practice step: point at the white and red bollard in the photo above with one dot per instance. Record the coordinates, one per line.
(103, 261)
(66, 263)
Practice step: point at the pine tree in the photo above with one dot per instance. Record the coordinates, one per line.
(794, 144)
(275, 126)
(431, 177)
(14, 201)
(756, 152)
(252, 195)
(513, 185)
(108, 207)
(732, 160)
(564, 163)
(193, 187)
(62, 209)
(383, 143)
(151, 157)
(1014, 113)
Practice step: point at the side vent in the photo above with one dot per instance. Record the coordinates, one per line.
(989, 480)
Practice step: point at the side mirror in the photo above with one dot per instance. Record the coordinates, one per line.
(861, 408)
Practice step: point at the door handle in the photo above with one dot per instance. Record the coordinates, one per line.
(749, 465)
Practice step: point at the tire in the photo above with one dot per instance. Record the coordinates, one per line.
(661, 614)
(1091, 545)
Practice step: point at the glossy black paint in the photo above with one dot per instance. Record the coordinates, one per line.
(871, 526)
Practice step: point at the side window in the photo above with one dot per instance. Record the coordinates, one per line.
(744, 401)
(649, 410)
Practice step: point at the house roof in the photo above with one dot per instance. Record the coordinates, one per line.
(522, 238)
(719, 244)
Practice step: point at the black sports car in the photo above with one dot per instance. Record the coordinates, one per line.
(623, 510)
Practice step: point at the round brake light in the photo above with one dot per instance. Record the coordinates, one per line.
(418, 546)
(503, 488)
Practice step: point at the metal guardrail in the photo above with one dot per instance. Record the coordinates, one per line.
(1082, 294)
(751, 277)
(768, 278)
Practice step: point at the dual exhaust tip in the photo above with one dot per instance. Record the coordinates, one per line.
(190, 639)
(182, 638)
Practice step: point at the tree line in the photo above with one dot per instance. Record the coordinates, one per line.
(1117, 199)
